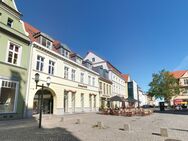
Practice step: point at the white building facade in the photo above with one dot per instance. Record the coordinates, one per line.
(118, 82)
(74, 87)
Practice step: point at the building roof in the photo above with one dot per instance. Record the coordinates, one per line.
(31, 30)
(178, 74)
(109, 65)
(115, 70)
(126, 77)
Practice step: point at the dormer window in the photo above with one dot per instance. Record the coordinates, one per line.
(46, 42)
(9, 22)
(79, 60)
(65, 53)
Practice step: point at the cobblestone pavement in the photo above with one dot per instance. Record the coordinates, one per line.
(57, 129)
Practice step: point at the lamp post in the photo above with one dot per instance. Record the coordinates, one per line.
(37, 78)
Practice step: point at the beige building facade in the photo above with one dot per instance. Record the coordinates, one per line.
(73, 88)
(104, 92)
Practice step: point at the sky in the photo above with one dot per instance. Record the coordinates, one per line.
(139, 37)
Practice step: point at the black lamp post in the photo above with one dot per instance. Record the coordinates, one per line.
(37, 76)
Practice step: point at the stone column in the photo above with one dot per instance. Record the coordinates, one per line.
(70, 102)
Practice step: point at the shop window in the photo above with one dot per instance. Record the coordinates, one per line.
(8, 91)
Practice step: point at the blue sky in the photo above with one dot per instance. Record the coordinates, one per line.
(139, 37)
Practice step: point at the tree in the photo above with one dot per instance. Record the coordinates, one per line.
(164, 85)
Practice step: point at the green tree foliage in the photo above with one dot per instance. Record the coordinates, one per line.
(164, 85)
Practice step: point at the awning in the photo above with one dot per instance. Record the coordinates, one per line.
(131, 100)
(117, 98)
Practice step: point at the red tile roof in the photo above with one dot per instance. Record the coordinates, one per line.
(178, 74)
(126, 77)
(31, 30)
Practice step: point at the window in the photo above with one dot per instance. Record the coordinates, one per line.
(110, 90)
(51, 67)
(66, 73)
(79, 60)
(82, 77)
(185, 92)
(93, 83)
(104, 88)
(93, 59)
(73, 75)
(186, 81)
(100, 85)
(46, 42)
(14, 54)
(40, 63)
(65, 53)
(9, 22)
(89, 80)
(107, 88)
(8, 95)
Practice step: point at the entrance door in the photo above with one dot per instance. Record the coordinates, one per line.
(82, 102)
(47, 102)
(73, 102)
(65, 102)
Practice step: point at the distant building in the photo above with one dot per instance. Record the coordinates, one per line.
(118, 82)
(105, 85)
(182, 77)
(118, 87)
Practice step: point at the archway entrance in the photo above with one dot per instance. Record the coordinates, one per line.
(47, 102)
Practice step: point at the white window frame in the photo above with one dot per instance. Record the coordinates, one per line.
(66, 72)
(19, 53)
(16, 94)
(82, 77)
(51, 67)
(73, 75)
(40, 62)
(93, 81)
(89, 80)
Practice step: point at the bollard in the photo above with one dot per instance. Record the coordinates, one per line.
(100, 124)
(164, 132)
(78, 121)
(126, 127)
(62, 119)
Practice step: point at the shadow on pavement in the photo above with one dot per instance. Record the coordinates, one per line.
(182, 112)
(183, 130)
(156, 134)
(27, 130)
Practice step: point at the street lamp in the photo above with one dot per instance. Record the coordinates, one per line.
(37, 78)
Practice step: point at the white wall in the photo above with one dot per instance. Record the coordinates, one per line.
(59, 85)
(91, 55)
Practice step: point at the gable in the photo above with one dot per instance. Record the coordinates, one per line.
(186, 74)
(10, 3)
